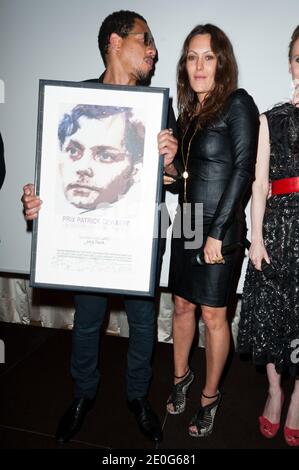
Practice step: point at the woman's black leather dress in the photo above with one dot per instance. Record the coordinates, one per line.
(221, 168)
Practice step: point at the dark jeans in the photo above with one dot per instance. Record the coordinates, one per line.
(89, 316)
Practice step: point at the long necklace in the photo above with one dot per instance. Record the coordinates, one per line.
(185, 173)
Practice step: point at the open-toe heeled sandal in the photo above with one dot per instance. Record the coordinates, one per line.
(178, 394)
(203, 421)
(267, 428)
(291, 436)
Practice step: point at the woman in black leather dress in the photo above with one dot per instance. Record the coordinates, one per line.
(219, 132)
(269, 323)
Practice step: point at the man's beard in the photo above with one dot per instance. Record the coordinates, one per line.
(144, 78)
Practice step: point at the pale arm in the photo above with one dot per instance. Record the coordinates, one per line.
(260, 189)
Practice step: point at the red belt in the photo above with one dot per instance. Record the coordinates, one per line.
(286, 185)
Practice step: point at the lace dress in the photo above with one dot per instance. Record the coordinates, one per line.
(269, 323)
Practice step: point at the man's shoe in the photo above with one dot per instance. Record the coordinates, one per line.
(146, 418)
(72, 420)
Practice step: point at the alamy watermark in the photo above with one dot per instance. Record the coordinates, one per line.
(295, 353)
(188, 224)
(134, 221)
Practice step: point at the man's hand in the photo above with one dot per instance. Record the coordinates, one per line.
(168, 146)
(31, 202)
(168, 180)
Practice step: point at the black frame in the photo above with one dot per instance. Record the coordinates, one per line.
(41, 274)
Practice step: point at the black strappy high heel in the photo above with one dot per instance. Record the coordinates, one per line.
(204, 418)
(179, 391)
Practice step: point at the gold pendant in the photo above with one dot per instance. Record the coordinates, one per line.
(185, 175)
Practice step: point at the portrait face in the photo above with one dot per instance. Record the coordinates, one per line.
(201, 63)
(95, 166)
(137, 57)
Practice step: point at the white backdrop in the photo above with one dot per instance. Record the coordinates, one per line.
(58, 40)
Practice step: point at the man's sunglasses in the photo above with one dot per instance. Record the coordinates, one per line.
(148, 38)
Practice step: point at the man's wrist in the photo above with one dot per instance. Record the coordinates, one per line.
(170, 170)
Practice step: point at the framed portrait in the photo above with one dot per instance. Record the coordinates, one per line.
(99, 176)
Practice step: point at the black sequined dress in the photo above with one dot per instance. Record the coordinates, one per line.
(269, 323)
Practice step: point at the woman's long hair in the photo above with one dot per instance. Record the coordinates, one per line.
(226, 78)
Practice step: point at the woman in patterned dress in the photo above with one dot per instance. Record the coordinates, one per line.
(269, 324)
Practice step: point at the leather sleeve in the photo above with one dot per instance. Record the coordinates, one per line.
(242, 119)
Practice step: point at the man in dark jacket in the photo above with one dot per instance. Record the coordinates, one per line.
(129, 52)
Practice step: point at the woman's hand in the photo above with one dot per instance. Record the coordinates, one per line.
(257, 253)
(212, 251)
(168, 146)
(31, 202)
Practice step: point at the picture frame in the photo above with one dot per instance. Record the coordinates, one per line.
(99, 176)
